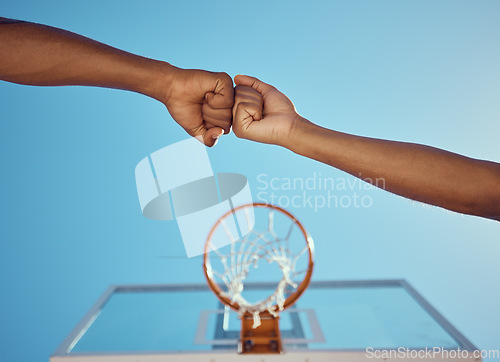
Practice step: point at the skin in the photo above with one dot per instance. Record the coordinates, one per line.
(262, 113)
(34, 54)
(202, 103)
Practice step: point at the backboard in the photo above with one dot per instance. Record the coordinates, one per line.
(333, 320)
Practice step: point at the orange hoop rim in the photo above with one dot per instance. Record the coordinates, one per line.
(300, 288)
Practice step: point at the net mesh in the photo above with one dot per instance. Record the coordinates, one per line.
(245, 253)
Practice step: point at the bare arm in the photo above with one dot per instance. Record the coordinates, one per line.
(418, 172)
(35, 54)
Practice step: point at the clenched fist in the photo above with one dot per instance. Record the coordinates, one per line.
(200, 101)
(262, 113)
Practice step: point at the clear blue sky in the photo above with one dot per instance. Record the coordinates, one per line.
(419, 71)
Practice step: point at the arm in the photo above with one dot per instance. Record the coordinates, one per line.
(418, 172)
(34, 54)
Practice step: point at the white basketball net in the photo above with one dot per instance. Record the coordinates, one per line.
(245, 254)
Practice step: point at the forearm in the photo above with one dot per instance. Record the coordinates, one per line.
(36, 54)
(414, 171)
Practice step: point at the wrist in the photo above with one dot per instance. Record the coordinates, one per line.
(162, 77)
(299, 129)
(309, 140)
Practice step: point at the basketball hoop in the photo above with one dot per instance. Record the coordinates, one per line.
(260, 319)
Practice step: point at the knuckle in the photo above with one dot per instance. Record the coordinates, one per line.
(248, 106)
(224, 76)
(239, 89)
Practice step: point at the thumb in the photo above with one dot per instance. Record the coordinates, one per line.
(211, 136)
(253, 82)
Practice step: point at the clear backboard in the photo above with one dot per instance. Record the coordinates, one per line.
(332, 321)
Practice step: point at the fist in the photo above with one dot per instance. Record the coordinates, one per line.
(201, 102)
(262, 113)
(247, 109)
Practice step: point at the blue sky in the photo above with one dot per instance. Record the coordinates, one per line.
(425, 72)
